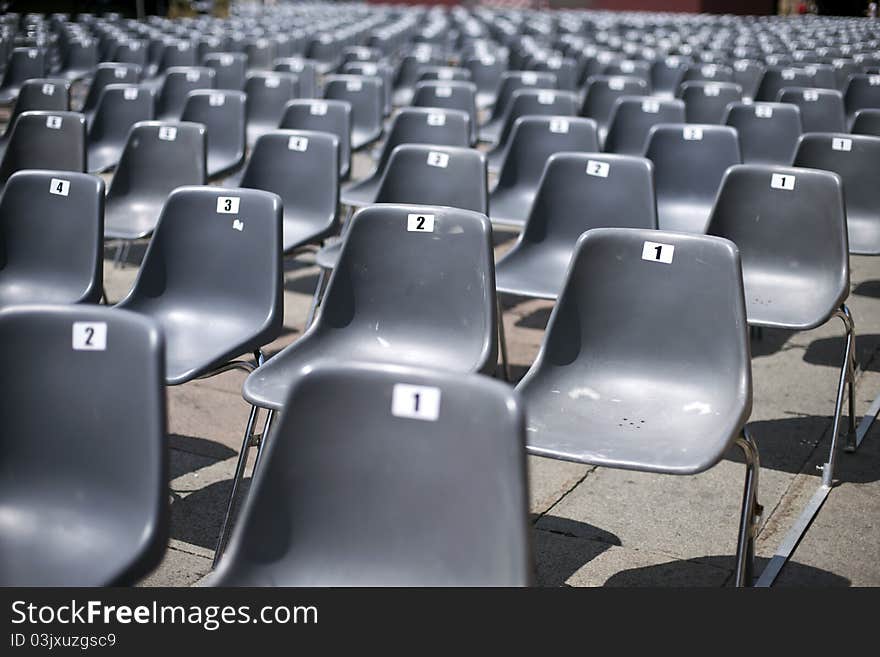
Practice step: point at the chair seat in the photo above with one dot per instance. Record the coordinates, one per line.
(268, 386)
(532, 272)
(683, 217)
(362, 192)
(792, 300)
(131, 218)
(510, 206)
(256, 129)
(329, 255)
(102, 157)
(17, 290)
(491, 130)
(864, 234)
(220, 164)
(629, 422)
(66, 536)
(361, 137)
(299, 231)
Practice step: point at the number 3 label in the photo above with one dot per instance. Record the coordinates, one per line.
(420, 223)
(657, 252)
(228, 204)
(90, 336)
(416, 402)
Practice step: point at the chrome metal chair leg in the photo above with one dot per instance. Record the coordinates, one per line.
(751, 512)
(502, 343)
(264, 437)
(316, 298)
(847, 375)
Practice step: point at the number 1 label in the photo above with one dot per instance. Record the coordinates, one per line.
(415, 402)
(656, 252)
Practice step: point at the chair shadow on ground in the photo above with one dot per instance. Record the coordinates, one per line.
(829, 351)
(768, 341)
(868, 289)
(196, 518)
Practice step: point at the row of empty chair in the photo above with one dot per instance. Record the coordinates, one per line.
(674, 180)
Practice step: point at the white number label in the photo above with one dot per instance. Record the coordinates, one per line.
(130, 93)
(811, 95)
(443, 92)
(354, 85)
(216, 100)
(650, 106)
(59, 187)
(874, 80)
(119, 73)
(415, 402)
(444, 74)
(300, 144)
(48, 89)
(615, 84)
(598, 169)
(546, 97)
(788, 74)
(318, 109)
(273, 82)
(711, 90)
(420, 223)
(740, 66)
(709, 71)
(782, 181)
(529, 78)
(436, 119)
(559, 126)
(53, 122)
(167, 133)
(764, 111)
(225, 60)
(627, 67)
(228, 204)
(691, 133)
(841, 144)
(193, 76)
(436, 159)
(90, 336)
(657, 252)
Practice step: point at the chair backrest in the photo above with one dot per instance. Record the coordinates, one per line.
(23, 64)
(768, 132)
(178, 82)
(689, 162)
(602, 91)
(176, 53)
(317, 515)
(843, 69)
(333, 116)
(119, 108)
(45, 140)
(855, 158)
(223, 112)
(230, 69)
(747, 73)
(84, 441)
(486, 73)
(382, 71)
(267, 95)
(306, 72)
(862, 92)
(667, 73)
(706, 102)
(425, 125)
(260, 53)
(630, 68)
(866, 122)
(790, 227)
(443, 73)
(632, 118)
(436, 175)
(456, 95)
(582, 191)
(654, 307)
(822, 75)
(81, 57)
(537, 102)
(52, 236)
(776, 78)
(216, 250)
(365, 95)
(109, 73)
(535, 138)
(40, 94)
(707, 72)
(514, 80)
(132, 52)
(822, 110)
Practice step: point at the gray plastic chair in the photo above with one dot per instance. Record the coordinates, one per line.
(747, 74)
(333, 116)
(667, 74)
(380, 70)
(843, 69)
(790, 227)
(434, 73)
(862, 92)
(399, 296)
(855, 158)
(306, 72)
(706, 102)
(157, 158)
(108, 73)
(512, 81)
(822, 110)
(85, 456)
(632, 117)
(630, 68)
(768, 132)
(317, 516)
(449, 95)
(866, 122)
(531, 102)
(707, 72)
(577, 192)
(408, 73)
(776, 78)
(178, 82)
(411, 125)
(602, 92)
(223, 112)
(645, 362)
(37, 94)
(689, 162)
(121, 106)
(51, 238)
(230, 69)
(45, 140)
(365, 96)
(267, 96)
(533, 141)
(24, 64)
(132, 52)
(260, 53)
(301, 167)
(80, 59)
(486, 73)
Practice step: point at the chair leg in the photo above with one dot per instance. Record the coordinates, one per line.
(104, 299)
(236, 482)
(751, 512)
(264, 437)
(117, 257)
(502, 343)
(847, 376)
(316, 298)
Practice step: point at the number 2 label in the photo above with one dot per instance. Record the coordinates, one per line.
(656, 252)
(415, 402)
(420, 223)
(90, 336)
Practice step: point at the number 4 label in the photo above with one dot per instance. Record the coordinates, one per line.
(420, 223)
(657, 252)
(90, 336)
(59, 187)
(415, 402)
